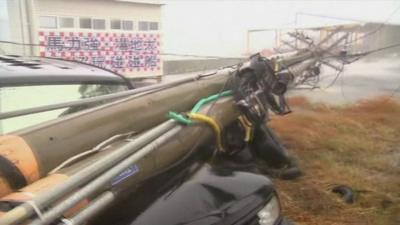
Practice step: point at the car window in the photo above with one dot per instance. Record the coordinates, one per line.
(22, 97)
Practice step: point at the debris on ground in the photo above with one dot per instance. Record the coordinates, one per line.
(357, 146)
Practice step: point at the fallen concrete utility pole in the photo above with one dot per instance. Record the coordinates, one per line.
(165, 150)
(39, 149)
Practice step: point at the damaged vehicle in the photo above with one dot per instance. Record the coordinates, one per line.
(82, 156)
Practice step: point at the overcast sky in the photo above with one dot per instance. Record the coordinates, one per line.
(219, 27)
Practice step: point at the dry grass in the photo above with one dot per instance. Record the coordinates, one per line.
(358, 146)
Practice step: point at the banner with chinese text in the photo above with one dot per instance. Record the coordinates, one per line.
(125, 53)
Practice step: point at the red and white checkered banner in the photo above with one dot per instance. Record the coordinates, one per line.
(120, 52)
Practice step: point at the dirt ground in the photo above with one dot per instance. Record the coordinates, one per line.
(357, 146)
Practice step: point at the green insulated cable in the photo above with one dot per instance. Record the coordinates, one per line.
(204, 101)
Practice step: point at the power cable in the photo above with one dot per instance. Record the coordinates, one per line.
(336, 77)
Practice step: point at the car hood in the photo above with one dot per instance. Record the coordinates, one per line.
(210, 196)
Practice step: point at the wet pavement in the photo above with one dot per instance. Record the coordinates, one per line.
(361, 80)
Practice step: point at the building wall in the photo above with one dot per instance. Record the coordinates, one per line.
(98, 8)
(378, 36)
(130, 52)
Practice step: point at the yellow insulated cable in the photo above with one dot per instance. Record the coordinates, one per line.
(248, 128)
(214, 124)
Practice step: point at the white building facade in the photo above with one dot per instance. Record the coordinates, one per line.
(120, 35)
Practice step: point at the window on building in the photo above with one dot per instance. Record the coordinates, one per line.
(153, 26)
(48, 22)
(115, 24)
(143, 25)
(66, 22)
(99, 24)
(127, 25)
(85, 23)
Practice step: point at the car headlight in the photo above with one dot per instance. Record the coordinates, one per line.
(270, 213)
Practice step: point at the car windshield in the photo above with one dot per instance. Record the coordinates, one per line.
(22, 97)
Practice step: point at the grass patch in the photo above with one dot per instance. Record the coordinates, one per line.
(356, 145)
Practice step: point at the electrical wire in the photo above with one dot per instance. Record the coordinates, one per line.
(198, 141)
(100, 147)
(382, 24)
(196, 144)
(336, 77)
(379, 27)
(359, 55)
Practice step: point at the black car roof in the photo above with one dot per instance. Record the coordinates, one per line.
(16, 70)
